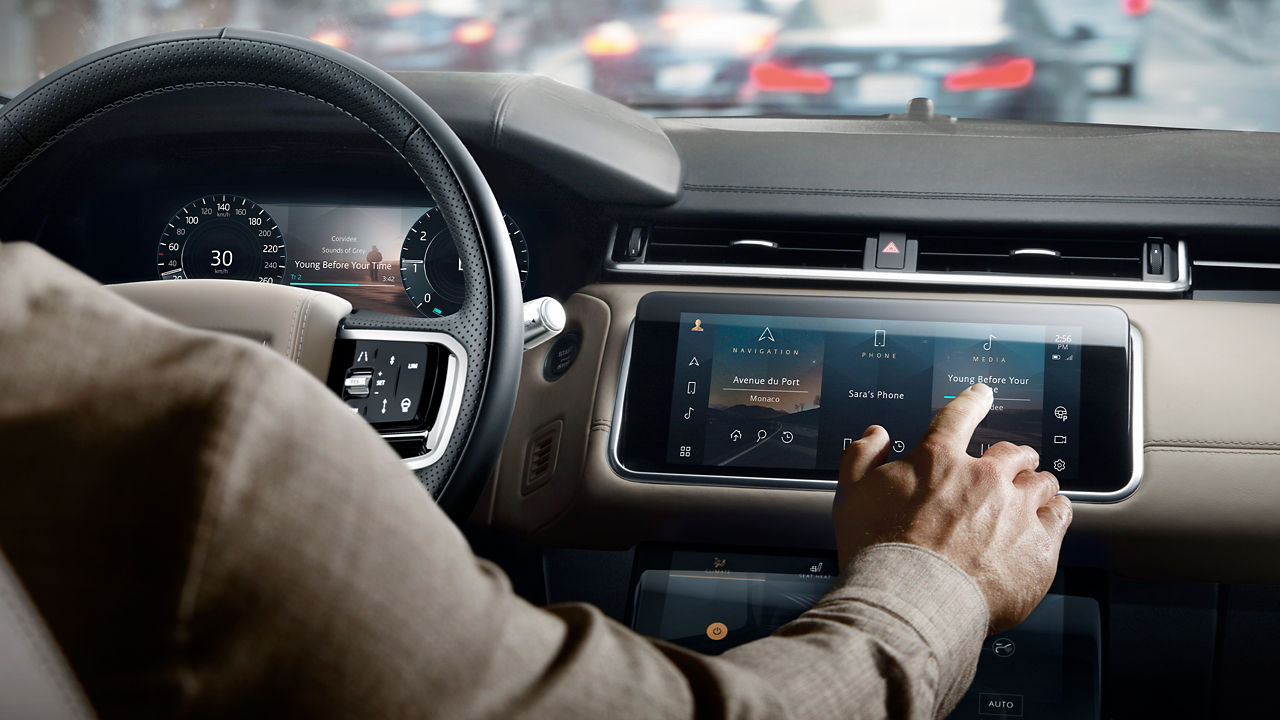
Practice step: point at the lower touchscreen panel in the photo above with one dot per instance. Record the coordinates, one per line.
(1047, 667)
(770, 389)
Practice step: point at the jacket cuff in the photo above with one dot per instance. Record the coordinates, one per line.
(941, 602)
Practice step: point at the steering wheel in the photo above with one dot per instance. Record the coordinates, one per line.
(482, 340)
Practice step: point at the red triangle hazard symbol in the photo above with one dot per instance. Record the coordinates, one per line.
(892, 247)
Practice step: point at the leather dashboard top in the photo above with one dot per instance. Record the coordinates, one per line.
(981, 172)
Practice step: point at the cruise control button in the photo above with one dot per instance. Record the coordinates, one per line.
(357, 384)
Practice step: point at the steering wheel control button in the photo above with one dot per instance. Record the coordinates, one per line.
(717, 631)
(392, 383)
(561, 356)
(407, 395)
(358, 384)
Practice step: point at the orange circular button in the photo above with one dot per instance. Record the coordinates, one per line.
(717, 631)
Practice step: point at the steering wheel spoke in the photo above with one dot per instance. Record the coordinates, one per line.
(297, 323)
(409, 384)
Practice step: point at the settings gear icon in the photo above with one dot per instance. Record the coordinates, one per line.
(1059, 465)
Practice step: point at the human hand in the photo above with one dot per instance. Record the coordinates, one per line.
(996, 517)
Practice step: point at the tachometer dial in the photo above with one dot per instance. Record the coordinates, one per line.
(430, 268)
(221, 236)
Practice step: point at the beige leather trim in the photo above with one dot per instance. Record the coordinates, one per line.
(540, 403)
(36, 683)
(299, 324)
(1205, 509)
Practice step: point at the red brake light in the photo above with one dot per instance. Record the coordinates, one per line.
(1007, 73)
(610, 40)
(776, 77)
(473, 32)
(1136, 7)
(332, 38)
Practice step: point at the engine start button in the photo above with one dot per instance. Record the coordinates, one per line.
(717, 631)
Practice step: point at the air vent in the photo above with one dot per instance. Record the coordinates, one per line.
(754, 248)
(540, 461)
(1133, 264)
(1121, 260)
(1237, 269)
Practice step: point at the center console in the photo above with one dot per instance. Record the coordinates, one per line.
(1049, 666)
(767, 391)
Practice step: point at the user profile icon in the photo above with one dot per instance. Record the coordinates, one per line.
(697, 326)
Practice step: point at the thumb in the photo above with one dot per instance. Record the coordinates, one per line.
(865, 455)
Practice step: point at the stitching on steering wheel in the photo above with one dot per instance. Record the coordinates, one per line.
(310, 302)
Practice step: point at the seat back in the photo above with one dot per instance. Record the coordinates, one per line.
(36, 683)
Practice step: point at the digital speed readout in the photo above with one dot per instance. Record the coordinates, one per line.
(222, 237)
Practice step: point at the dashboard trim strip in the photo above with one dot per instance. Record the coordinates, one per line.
(1180, 283)
(615, 460)
(437, 435)
(1235, 264)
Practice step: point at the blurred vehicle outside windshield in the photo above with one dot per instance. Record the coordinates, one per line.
(1181, 63)
(975, 58)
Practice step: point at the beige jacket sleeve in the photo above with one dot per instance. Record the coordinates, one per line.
(210, 533)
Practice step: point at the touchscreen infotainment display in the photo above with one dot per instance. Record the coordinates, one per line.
(786, 392)
(778, 387)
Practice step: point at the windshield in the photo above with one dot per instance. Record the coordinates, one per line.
(1182, 63)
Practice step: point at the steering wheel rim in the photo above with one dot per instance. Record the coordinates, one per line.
(487, 326)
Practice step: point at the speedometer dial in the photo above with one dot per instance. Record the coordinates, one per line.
(221, 236)
(431, 270)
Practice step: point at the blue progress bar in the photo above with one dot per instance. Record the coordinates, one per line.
(326, 284)
(948, 397)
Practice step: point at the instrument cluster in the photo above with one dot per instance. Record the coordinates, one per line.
(388, 259)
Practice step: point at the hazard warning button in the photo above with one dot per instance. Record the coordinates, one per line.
(891, 251)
